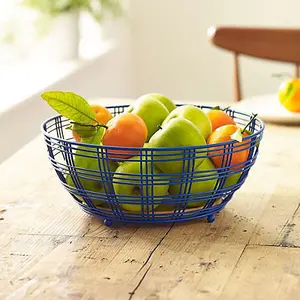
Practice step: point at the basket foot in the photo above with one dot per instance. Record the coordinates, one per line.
(211, 218)
(108, 222)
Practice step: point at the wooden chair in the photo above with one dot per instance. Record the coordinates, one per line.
(281, 45)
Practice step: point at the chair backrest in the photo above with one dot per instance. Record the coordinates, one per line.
(276, 44)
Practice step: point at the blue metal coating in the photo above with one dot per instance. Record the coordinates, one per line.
(147, 196)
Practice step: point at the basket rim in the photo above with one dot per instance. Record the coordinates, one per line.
(206, 146)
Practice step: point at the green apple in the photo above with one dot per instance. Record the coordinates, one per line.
(88, 185)
(204, 180)
(194, 114)
(88, 172)
(232, 179)
(178, 132)
(128, 181)
(168, 103)
(166, 208)
(152, 111)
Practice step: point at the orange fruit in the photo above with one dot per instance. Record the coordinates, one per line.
(103, 115)
(219, 118)
(289, 94)
(76, 137)
(125, 130)
(240, 150)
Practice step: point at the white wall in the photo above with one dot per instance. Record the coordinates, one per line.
(172, 54)
(108, 76)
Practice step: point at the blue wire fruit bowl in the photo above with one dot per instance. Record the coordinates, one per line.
(134, 190)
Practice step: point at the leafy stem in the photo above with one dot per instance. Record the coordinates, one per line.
(219, 108)
(71, 106)
(248, 124)
(90, 125)
(238, 134)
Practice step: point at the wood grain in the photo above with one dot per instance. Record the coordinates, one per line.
(50, 249)
(236, 78)
(269, 43)
(265, 273)
(88, 265)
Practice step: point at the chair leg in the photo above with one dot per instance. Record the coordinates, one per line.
(297, 71)
(236, 79)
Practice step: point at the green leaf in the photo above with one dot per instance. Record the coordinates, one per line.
(84, 131)
(238, 136)
(251, 120)
(95, 139)
(219, 108)
(71, 106)
(97, 8)
(89, 160)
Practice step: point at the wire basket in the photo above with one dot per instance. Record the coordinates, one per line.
(138, 192)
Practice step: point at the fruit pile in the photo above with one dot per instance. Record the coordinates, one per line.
(153, 121)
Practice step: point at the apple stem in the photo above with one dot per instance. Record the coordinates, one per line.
(90, 125)
(251, 119)
(159, 127)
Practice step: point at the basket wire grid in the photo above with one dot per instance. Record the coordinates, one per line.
(146, 196)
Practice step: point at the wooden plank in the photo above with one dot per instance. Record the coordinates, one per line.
(24, 171)
(77, 258)
(196, 259)
(90, 267)
(149, 247)
(91, 261)
(22, 253)
(54, 212)
(280, 222)
(34, 202)
(193, 262)
(278, 44)
(265, 273)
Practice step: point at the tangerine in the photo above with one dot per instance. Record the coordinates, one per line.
(240, 150)
(102, 114)
(76, 136)
(125, 130)
(219, 118)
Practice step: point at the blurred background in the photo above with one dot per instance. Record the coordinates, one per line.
(121, 49)
(42, 41)
(126, 48)
(136, 46)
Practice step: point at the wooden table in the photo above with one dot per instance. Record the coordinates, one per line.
(50, 249)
